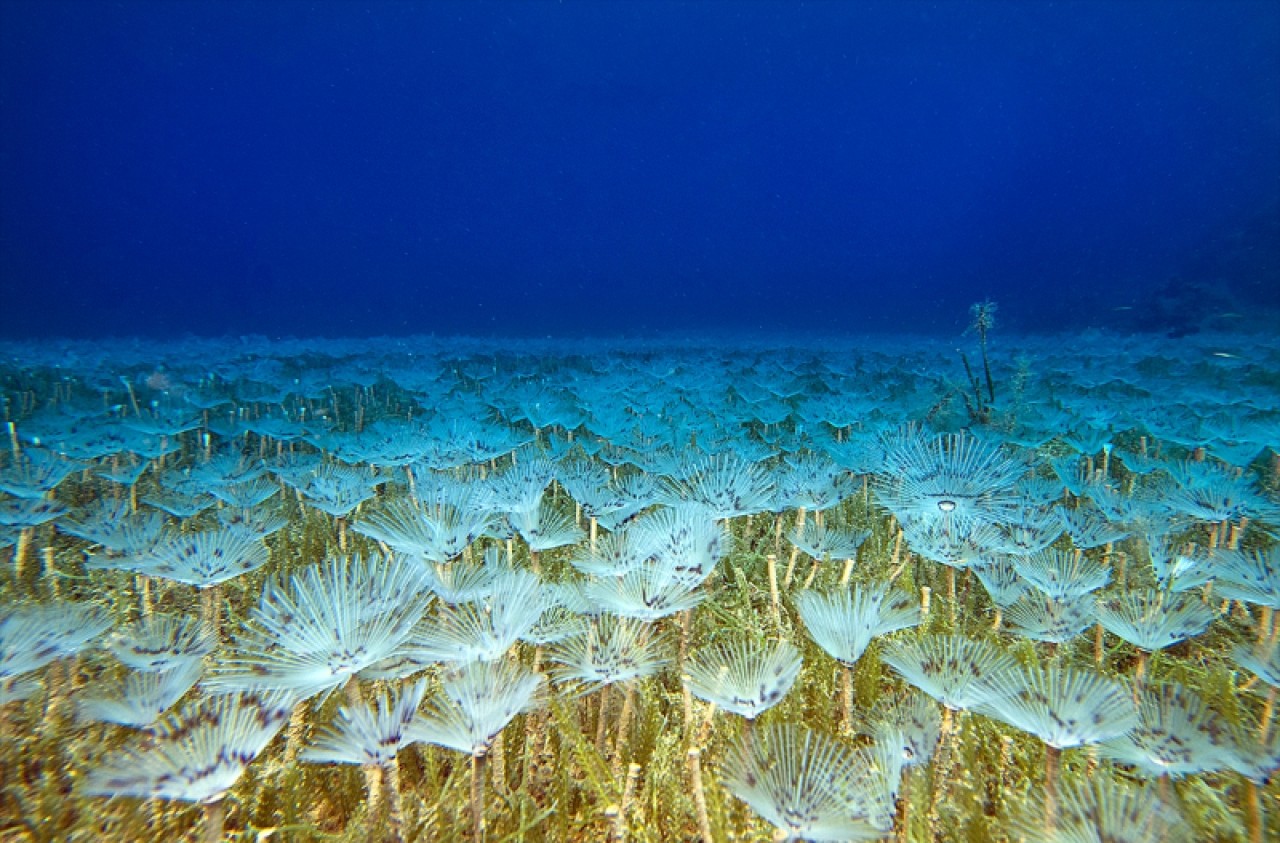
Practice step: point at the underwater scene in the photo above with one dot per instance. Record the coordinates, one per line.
(417, 589)
(639, 421)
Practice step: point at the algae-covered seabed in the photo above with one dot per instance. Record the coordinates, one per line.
(629, 531)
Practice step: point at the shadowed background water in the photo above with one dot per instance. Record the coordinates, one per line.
(344, 168)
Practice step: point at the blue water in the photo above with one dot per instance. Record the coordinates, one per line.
(534, 169)
(600, 293)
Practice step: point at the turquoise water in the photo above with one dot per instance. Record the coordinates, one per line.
(566, 590)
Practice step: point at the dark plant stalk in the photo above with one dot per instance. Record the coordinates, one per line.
(749, 734)
(532, 731)
(628, 796)
(51, 571)
(979, 410)
(215, 817)
(395, 801)
(986, 367)
(20, 554)
(1051, 754)
(624, 726)
(685, 630)
(295, 733)
(904, 807)
(699, 795)
(941, 770)
(498, 764)
(846, 696)
(477, 796)
(791, 568)
(973, 380)
(211, 609)
(375, 798)
(775, 602)
(601, 718)
(951, 591)
(1253, 811)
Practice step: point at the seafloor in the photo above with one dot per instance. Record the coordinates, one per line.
(647, 590)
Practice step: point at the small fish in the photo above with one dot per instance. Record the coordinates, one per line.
(1123, 307)
(1229, 315)
(1226, 354)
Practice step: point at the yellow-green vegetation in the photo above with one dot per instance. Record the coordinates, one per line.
(514, 519)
